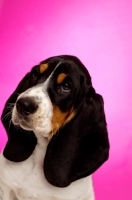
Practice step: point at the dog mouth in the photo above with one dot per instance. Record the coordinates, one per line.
(22, 122)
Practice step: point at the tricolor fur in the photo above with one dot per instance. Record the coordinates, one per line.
(57, 135)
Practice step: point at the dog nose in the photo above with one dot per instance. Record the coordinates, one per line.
(26, 106)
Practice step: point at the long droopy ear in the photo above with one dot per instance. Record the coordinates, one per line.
(80, 147)
(21, 143)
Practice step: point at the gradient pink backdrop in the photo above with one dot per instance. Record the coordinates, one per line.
(99, 32)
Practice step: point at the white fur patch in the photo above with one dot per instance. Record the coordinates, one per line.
(27, 181)
(40, 121)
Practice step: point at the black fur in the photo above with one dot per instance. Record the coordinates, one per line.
(20, 144)
(81, 146)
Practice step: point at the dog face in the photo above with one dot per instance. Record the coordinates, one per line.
(57, 100)
(52, 99)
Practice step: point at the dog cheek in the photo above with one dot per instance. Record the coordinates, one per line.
(60, 118)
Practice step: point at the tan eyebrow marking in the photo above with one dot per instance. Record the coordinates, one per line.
(61, 78)
(43, 67)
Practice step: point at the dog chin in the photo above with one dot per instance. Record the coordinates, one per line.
(24, 126)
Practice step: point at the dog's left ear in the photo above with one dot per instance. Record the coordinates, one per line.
(81, 146)
(21, 143)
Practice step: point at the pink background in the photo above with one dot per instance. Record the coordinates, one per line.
(99, 32)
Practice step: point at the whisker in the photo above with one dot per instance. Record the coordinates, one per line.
(10, 103)
(6, 115)
(17, 127)
(9, 124)
(17, 93)
(9, 107)
(28, 132)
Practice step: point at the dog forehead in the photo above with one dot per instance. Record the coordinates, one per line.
(57, 71)
(60, 62)
(66, 68)
(58, 68)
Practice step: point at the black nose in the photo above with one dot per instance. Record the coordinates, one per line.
(26, 106)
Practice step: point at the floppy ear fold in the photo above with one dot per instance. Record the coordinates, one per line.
(20, 144)
(80, 147)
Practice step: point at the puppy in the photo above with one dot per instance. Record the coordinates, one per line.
(57, 134)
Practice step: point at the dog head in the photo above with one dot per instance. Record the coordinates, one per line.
(57, 100)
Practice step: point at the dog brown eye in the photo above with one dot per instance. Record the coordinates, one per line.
(65, 87)
(34, 75)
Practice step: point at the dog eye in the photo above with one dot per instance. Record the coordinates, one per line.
(65, 87)
(34, 75)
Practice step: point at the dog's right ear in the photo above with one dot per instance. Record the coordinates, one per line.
(21, 143)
